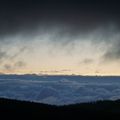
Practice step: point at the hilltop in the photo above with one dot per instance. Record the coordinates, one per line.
(102, 110)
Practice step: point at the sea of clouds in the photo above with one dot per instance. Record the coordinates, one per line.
(59, 90)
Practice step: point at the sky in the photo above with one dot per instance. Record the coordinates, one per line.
(80, 37)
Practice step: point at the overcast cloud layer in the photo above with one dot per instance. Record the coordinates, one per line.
(58, 25)
(59, 90)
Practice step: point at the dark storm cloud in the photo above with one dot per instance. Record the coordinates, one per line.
(72, 17)
(77, 16)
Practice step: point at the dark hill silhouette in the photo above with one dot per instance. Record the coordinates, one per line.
(100, 110)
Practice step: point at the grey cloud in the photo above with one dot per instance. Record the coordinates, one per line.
(3, 55)
(88, 61)
(113, 52)
(21, 50)
(66, 20)
(8, 67)
(11, 67)
(20, 64)
(54, 71)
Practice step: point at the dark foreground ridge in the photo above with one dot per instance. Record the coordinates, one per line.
(101, 110)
